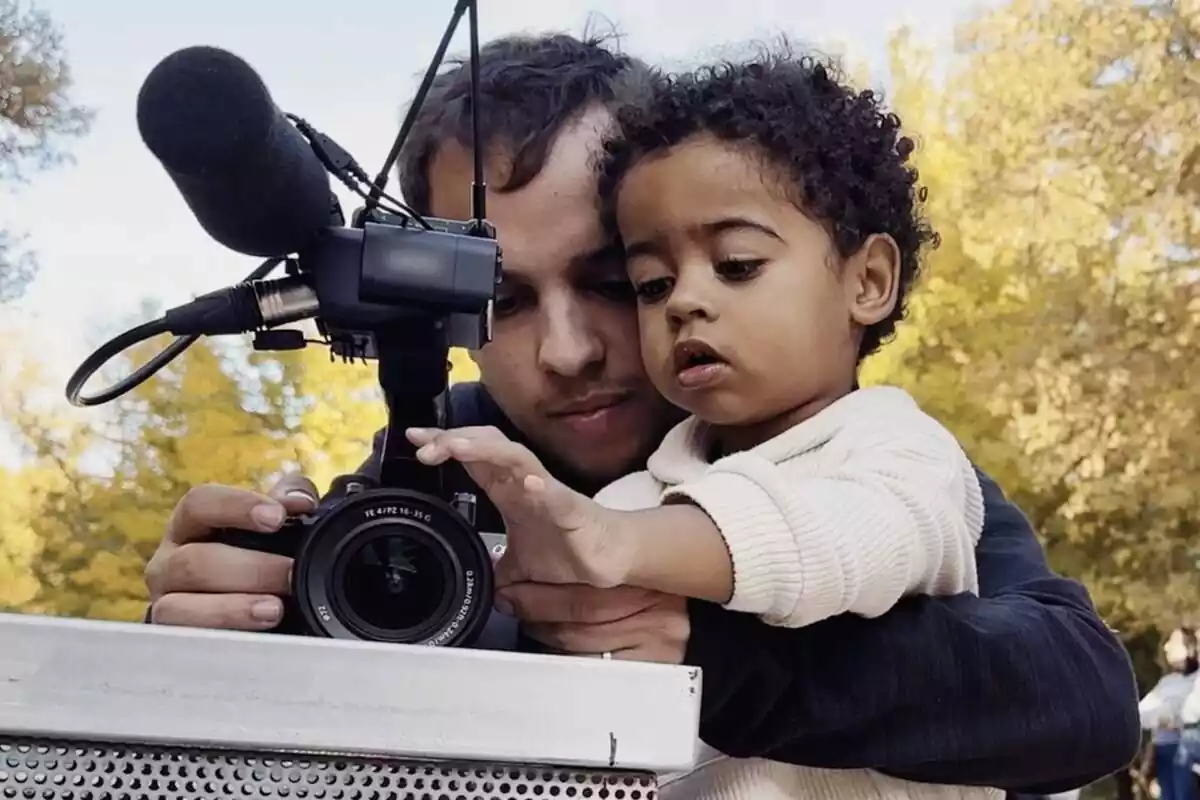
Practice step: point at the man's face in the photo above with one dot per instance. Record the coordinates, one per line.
(564, 362)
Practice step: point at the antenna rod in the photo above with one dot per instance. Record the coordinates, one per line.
(410, 118)
(478, 184)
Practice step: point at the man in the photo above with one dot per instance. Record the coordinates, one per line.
(1022, 687)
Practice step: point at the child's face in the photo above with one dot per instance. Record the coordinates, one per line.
(747, 317)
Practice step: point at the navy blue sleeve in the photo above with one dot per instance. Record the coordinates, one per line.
(1020, 688)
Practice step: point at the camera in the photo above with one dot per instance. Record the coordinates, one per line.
(391, 555)
(383, 564)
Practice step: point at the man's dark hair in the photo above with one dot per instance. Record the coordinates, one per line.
(837, 153)
(531, 87)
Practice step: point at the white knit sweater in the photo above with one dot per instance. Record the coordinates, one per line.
(847, 512)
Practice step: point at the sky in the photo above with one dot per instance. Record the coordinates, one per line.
(111, 232)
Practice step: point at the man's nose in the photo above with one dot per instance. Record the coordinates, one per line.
(568, 344)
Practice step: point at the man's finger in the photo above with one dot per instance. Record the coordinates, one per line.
(297, 493)
(604, 637)
(212, 506)
(506, 571)
(212, 567)
(234, 612)
(659, 634)
(542, 602)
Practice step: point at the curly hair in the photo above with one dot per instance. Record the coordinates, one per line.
(837, 153)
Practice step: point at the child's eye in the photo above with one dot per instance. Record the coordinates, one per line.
(654, 289)
(739, 270)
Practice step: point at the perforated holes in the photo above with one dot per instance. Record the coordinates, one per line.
(45, 770)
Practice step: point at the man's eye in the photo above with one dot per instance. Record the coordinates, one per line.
(503, 304)
(654, 289)
(509, 302)
(618, 290)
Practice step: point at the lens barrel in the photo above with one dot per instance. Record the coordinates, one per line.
(391, 565)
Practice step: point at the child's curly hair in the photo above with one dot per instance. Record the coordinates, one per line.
(843, 159)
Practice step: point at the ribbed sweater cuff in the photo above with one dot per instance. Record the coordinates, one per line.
(767, 574)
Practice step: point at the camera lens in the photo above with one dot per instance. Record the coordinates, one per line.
(397, 581)
(393, 565)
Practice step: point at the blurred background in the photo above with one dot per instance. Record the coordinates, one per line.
(1054, 330)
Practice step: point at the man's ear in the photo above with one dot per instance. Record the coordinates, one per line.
(873, 280)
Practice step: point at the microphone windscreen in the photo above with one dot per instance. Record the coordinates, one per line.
(248, 175)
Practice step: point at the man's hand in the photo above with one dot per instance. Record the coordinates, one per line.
(632, 624)
(202, 584)
(555, 534)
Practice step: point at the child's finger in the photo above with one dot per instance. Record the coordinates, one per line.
(503, 454)
(433, 454)
(432, 444)
(553, 500)
(421, 436)
(476, 433)
(436, 445)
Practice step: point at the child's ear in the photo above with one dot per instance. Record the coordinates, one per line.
(873, 279)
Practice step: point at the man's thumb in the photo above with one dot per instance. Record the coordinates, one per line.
(297, 493)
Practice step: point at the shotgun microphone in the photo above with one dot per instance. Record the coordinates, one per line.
(249, 176)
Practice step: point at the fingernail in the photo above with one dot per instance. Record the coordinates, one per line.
(503, 606)
(267, 610)
(268, 516)
(300, 494)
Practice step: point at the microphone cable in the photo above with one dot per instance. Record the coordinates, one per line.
(134, 336)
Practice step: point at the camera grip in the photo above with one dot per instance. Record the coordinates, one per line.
(284, 542)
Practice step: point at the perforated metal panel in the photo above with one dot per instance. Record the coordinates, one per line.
(36, 769)
(119, 711)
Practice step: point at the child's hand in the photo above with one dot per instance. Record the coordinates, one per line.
(555, 534)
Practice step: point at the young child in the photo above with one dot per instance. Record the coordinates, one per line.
(771, 227)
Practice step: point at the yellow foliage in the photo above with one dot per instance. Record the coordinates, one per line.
(1052, 328)
(109, 476)
(462, 368)
(18, 545)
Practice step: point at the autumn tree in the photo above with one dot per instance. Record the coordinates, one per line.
(36, 116)
(1056, 321)
(22, 490)
(117, 470)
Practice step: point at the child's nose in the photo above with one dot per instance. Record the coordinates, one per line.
(691, 299)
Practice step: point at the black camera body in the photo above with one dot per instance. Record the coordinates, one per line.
(384, 564)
